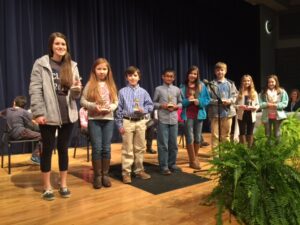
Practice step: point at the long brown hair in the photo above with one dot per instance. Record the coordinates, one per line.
(93, 92)
(66, 74)
(277, 86)
(197, 83)
(250, 89)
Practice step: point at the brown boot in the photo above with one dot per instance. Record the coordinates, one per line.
(194, 163)
(105, 168)
(196, 149)
(97, 167)
(249, 140)
(242, 139)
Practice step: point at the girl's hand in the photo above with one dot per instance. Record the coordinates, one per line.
(196, 102)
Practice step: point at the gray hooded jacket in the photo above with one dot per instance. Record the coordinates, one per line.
(43, 96)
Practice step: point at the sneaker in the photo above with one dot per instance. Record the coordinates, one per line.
(166, 172)
(64, 192)
(175, 169)
(126, 179)
(48, 195)
(143, 175)
(35, 160)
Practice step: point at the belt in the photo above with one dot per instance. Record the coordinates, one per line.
(133, 118)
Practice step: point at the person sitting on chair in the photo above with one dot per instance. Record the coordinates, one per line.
(21, 126)
(150, 132)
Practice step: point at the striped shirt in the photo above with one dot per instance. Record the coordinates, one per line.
(130, 96)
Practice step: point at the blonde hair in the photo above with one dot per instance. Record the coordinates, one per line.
(221, 65)
(250, 89)
(93, 92)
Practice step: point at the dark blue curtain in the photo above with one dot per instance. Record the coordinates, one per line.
(150, 34)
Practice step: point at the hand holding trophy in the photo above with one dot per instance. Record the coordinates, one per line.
(102, 105)
(77, 86)
(136, 107)
(170, 102)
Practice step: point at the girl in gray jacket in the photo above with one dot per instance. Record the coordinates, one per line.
(54, 86)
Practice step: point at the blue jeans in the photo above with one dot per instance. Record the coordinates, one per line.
(167, 145)
(193, 131)
(100, 132)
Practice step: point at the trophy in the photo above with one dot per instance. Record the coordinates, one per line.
(170, 101)
(102, 103)
(192, 95)
(136, 107)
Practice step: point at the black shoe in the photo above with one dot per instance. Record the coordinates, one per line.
(166, 172)
(175, 169)
(64, 192)
(204, 144)
(151, 151)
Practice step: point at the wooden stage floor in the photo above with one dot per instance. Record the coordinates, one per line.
(21, 203)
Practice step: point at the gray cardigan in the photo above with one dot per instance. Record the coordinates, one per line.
(43, 96)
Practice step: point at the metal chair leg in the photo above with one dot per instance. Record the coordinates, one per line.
(9, 159)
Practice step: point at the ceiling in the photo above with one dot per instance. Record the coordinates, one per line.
(278, 5)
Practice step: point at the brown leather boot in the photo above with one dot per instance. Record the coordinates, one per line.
(97, 167)
(249, 140)
(242, 139)
(105, 168)
(194, 163)
(196, 149)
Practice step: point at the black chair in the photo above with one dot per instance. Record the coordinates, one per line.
(82, 132)
(7, 143)
(181, 133)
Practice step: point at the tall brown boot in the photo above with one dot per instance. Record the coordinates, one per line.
(242, 139)
(105, 168)
(97, 167)
(194, 163)
(250, 140)
(196, 149)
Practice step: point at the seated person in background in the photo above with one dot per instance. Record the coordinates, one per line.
(150, 132)
(294, 101)
(83, 118)
(21, 126)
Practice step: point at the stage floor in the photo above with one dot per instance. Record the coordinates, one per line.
(21, 203)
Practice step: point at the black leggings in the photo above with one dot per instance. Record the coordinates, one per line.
(246, 126)
(63, 139)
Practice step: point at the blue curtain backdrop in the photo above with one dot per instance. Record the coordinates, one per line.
(150, 34)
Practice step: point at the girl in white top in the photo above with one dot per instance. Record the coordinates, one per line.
(246, 104)
(100, 99)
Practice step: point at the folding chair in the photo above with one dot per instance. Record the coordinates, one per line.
(82, 132)
(7, 143)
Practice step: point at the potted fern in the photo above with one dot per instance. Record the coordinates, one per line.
(260, 185)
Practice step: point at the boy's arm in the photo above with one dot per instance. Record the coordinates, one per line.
(179, 99)
(119, 112)
(233, 93)
(148, 104)
(156, 99)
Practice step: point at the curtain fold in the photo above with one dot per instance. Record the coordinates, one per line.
(151, 35)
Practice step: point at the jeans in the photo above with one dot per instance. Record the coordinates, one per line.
(167, 145)
(193, 131)
(100, 132)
